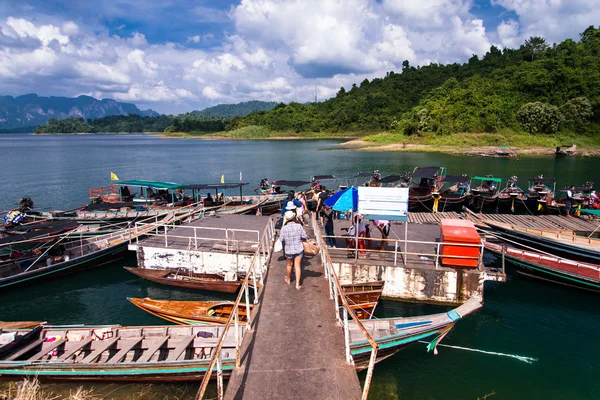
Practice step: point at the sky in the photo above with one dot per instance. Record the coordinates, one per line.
(176, 56)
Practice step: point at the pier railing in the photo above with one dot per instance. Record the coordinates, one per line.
(259, 260)
(401, 246)
(336, 293)
(192, 237)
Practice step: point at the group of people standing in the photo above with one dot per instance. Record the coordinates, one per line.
(292, 234)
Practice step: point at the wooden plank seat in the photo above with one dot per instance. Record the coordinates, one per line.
(152, 348)
(47, 348)
(74, 347)
(25, 349)
(126, 346)
(105, 345)
(179, 352)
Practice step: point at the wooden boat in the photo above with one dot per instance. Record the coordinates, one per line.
(424, 182)
(210, 312)
(454, 195)
(540, 195)
(68, 257)
(190, 280)
(549, 268)
(512, 196)
(565, 244)
(114, 353)
(190, 312)
(25, 238)
(18, 324)
(565, 151)
(395, 334)
(485, 193)
(367, 292)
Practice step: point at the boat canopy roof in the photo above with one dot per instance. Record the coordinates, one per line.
(391, 178)
(291, 183)
(203, 186)
(150, 184)
(457, 178)
(544, 180)
(426, 172)
(323, 177)
(487, 178)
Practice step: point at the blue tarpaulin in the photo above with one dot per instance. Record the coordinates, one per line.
(344, 200)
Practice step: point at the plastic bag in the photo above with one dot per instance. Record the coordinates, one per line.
(278, 246)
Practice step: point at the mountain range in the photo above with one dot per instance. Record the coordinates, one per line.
(27, 111)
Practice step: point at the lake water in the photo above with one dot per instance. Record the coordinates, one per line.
(557, 326)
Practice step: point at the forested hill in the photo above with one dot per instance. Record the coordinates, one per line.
(236, 110)
(536, 88)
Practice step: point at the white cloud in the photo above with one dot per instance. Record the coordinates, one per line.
(555, 20)
(276, 50)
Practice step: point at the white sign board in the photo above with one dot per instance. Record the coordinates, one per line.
(383, 203)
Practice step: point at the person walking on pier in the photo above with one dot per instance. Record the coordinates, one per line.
(291, 235)
(570, 200)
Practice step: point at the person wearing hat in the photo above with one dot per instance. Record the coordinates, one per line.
(291, 235)
(290, 204)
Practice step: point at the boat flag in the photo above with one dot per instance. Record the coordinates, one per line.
(222, 178)
(113, 177)
(540, 207)
(241, 177)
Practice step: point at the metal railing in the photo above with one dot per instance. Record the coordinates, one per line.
(336, 293)
(403, 250)
(260, 259)
(228, 236)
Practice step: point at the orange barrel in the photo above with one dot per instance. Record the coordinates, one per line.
(459, 231)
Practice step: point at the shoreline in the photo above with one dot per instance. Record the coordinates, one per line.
(483, 151)
(352, 143)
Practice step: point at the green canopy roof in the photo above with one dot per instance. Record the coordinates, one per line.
(485, 178)
(590, 211)
(150, 184)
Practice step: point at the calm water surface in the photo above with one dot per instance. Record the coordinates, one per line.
(557, 326)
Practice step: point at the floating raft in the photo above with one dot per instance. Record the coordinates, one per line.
(555, 222)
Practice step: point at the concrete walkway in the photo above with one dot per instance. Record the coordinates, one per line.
(295, 350)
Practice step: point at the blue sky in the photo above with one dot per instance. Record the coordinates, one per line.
(176, 56)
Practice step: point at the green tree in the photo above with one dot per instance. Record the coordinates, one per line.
(540, 117)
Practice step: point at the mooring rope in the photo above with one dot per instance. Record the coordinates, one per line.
(528, 360)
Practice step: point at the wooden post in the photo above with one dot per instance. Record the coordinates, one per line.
(405, 242)
(220, 389)
(248, 316)
(347, 336)
(237, 336)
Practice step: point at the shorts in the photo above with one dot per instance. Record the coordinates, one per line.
(292, 256)
(386, 230)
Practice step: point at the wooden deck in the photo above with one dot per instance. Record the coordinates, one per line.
(295, 349)
(529, 221)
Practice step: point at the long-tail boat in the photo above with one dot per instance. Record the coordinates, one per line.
(424, 182)
(363, 297)
(115, 353)
(539, 194)
(210, 312)
(455, 193)
(485, 193)
(562, 243)
(24, 238)
(18, 324)
(68, 257)
(512, 196)
(190, 312)
(395, 334)
(549, 268)
(188, 279)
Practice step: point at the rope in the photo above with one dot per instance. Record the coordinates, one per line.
(528, 360)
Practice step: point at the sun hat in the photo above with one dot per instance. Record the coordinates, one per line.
(290, 206)
(289, 215)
